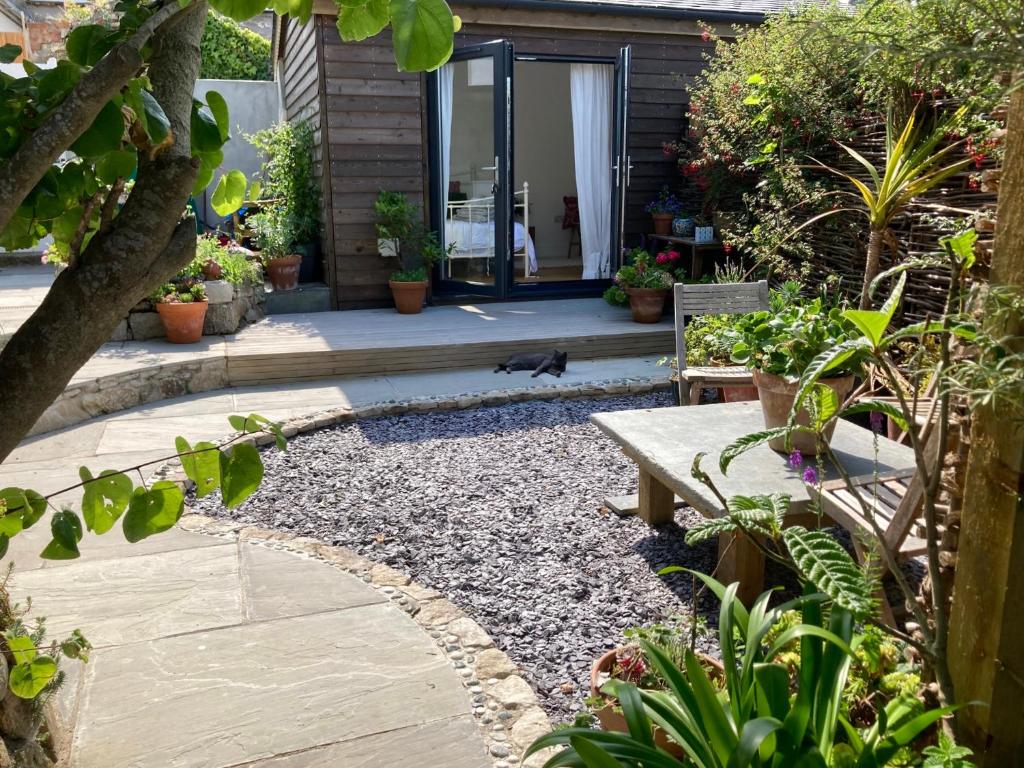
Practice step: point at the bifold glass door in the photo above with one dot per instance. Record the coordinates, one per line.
(470, 168)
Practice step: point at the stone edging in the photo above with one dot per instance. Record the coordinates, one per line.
(505, 708)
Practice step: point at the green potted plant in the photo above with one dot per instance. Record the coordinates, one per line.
(665, 207)
(402, 235)
(273, 236)
(208, 253)
(646, 284)
(779, 345)
(182, 309)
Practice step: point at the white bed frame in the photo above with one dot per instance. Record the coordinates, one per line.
(486, 204)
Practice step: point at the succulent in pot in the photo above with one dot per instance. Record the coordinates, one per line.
(663, 209)
(182, 309)
(779, 344)
(274, 236)
(646, 284)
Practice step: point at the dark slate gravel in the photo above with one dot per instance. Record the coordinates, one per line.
(500, 510)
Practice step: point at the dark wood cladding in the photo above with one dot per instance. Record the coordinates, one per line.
(374, 129)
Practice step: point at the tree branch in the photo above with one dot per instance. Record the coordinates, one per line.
(29, 163)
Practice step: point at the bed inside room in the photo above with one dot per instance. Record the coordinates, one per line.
(562, 118)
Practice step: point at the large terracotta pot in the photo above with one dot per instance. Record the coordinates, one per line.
(284, 272)
(662, 223)
(611, 720)
(408, 296)
(183, 323)
(647, 304)
(777, 395)
(739, 394)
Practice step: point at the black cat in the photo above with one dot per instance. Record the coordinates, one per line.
(538, 362)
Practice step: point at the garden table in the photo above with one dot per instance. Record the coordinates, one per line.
(664, 441)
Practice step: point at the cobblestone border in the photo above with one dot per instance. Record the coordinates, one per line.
(505, 707)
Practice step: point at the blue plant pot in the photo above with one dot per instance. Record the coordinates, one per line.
(682, 227)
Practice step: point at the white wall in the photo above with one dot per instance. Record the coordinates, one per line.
(253, 105)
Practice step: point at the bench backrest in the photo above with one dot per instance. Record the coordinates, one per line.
(714, 299)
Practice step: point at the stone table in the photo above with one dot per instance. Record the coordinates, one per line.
(664, 441)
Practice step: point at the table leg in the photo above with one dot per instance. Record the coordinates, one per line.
(740, 560)
(656, 502)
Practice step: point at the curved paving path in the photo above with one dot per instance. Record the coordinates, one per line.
(221, 652)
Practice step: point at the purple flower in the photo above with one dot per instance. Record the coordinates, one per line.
(811, 476)
(876, 421)
(796, 460)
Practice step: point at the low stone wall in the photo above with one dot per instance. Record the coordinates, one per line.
(229, 305)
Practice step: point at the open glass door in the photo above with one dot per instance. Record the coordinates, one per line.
(620, 155)
(470, 147)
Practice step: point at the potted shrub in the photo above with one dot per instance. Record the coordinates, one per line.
(665, 207)
(645, 284)
(182, 309)
(779, 344)
(402, 235)
(208, 252)
(273, 236)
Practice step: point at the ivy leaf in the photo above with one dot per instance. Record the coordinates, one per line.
(360, 21)
(153, 511)
(219, 109)
(89, 43)
(423, 33)
(104, 135)
(66, 529)
(105, 498)
(28, 680)
(823, 562)
(241, 473)
(239, 10)
(230, 193)
(201, 464)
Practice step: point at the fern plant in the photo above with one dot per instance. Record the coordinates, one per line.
(757, 721)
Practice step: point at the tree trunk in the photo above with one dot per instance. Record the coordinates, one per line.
(148, 242)
(987, 624)
(871, 266)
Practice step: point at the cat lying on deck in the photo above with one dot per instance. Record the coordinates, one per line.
(538, 362)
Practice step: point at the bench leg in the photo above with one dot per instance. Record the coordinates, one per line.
(656, 502)
(740, 560)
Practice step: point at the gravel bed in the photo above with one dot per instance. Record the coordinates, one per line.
(500, 510)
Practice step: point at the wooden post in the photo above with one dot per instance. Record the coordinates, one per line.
(657, 503)
(986, 637)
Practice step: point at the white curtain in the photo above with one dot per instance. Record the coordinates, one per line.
(445, 79)
(591, 90)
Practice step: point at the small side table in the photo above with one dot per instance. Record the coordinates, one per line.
(696, 250)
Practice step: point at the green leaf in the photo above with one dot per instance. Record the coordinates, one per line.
(55, 84)
(359, 22)
(871, 323)
(201, 464)
(592, 755)
(28, 680)
(239, 10)
(205, 131)
(745, 443)
(219, 109)
(752, 737)
(9, 52)
(153, 511)
(104, 499)
(104, 135)
(256, 423)
(241, 473)
(300, 10)
(824, 563)
(203, 178)
(157, 124)
(89, 43)
(15, 504)
(961, 245)
(822, 405)
(229, 194)
(66, 529)
(824, 363)
(423, 33)
(119, 164)
(22, 647)
(889, 409)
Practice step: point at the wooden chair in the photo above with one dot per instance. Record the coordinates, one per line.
(692, 300)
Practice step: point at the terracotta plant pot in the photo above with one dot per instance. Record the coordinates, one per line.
(409, 296)
(284, 272)
(662, 223)
(777, 395)
(212, 270)
(739, 394)
(611, 720)
(647, 304)
(183, 323)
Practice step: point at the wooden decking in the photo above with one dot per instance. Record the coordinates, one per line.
(365, 342)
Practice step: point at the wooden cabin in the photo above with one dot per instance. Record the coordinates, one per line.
(533, 151)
